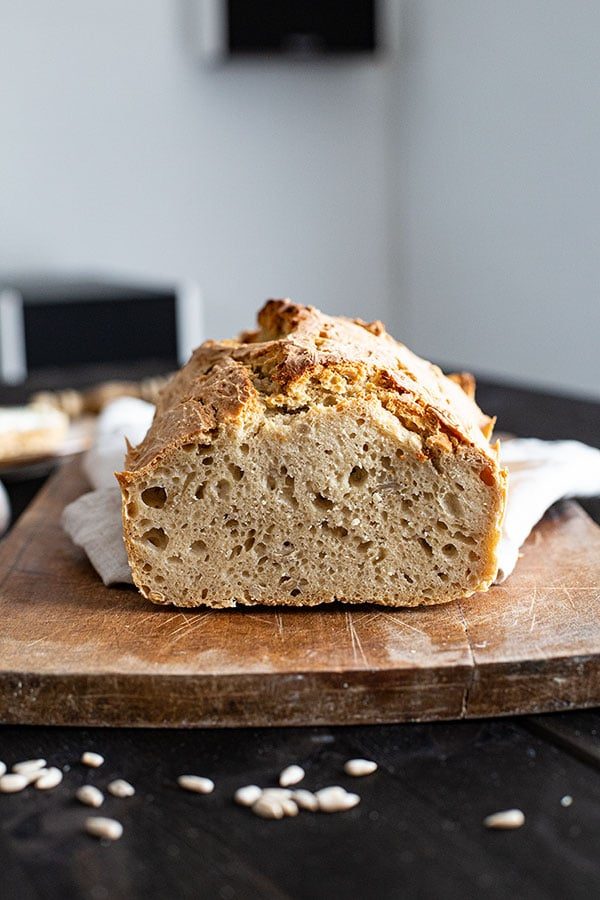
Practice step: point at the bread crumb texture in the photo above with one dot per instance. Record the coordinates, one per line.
(312, 460)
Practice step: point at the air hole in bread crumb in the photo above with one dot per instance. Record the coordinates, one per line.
(357, 476)
(198, 546)
(236, 471)
(223, 488)
(408, 578)
(146, 567)
(207, 461)
(283, 579)
(296, 592)
(464, 538)
(473, 556)
(204, 593)
(245, 448)
(426, 546)
(157, 537)
(156, 497)
(365, 546)
(323, 502)
(487, 476)
(442, 576)
(271, 482)
(449, 550)
(248, 544)
(132, 508)
(188, 448)
(199, 492)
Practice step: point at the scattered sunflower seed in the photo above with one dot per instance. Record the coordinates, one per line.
(28, 766)
(13, 782)
(277, 793)
(305, 799)
(505, 819)
(336, 799)
(289, 808)
(89, 795)
(103, 828)
(247, 795)
(268, 808)
(121, 788)
(567, 800)
(291, 775)
(359, 767)
(94, 760)
(196, 783)
(48, 779)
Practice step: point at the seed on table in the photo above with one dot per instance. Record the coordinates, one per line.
(336, 799)
(305, 799)
(275, 793)
(13, 782)
(196, 783)
(247, 795)
(2, 768)
(567, 800)
(505, 819)
(105, 829)
(359, 767)
(121, 788)
(48, 779)
(94, 760)
(289, 808)
(29, 765)
(89, 795)
(268, 808)
(291, 775)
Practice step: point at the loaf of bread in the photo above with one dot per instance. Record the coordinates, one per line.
(30, 432)
(315, 459)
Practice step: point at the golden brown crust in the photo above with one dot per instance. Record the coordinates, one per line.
(296, 358)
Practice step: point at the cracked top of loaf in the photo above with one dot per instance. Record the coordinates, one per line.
(298, 359)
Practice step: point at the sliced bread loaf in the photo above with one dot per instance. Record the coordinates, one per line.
(312, 460)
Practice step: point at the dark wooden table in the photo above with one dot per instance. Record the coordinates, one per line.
(417, 832)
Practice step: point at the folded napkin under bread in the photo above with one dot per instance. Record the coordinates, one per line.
(540, 472)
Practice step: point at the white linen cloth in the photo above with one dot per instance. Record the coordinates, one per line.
(540, 472)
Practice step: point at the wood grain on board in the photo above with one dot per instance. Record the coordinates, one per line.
(75, 652)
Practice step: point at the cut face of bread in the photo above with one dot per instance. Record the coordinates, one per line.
(336, 488)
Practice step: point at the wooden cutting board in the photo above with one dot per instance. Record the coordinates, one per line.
(75, 652)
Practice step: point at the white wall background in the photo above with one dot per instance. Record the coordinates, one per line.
(118, 150)
(453, 190)
(495, 161)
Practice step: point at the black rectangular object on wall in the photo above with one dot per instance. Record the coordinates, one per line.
(301, 27)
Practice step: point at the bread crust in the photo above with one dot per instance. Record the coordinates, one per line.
(296, 353)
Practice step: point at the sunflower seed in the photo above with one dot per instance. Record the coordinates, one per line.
(567, 800)
(505, 819)
(13, 782)
(291, 775)
(89, 795)
(336, 799)
(28, 766)
(196, 783)
(121, 788)
(359, 767)
(289, 808)
(91, 759)
(274, 793)
(2, 768)
(268, 808)
(48, 779)
(105, 829)
(248, 795)
(305, 799)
